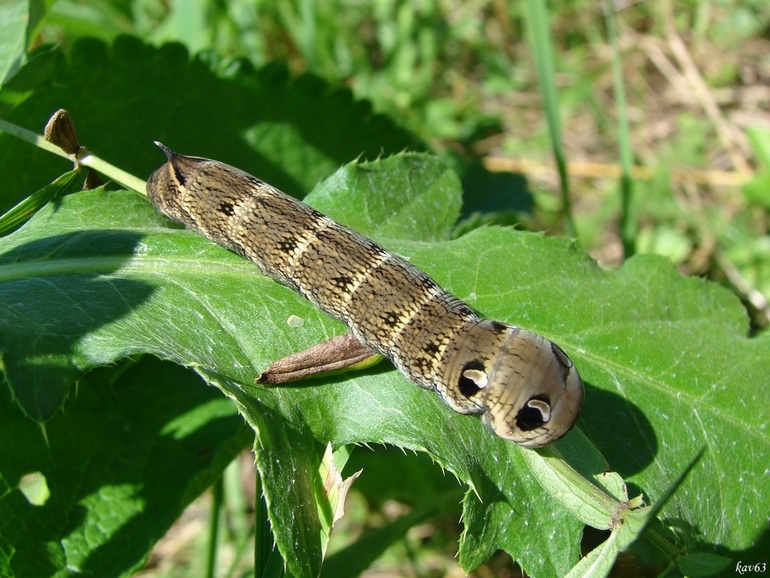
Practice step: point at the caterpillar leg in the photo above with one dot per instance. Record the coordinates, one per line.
(335, 355)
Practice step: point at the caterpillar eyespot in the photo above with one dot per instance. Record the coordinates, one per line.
(524, 386)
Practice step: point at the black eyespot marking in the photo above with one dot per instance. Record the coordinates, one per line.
(531, 416)
(472, 378)
(226, 208)
(467, 386)
(475, 364)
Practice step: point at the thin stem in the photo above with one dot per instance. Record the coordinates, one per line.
(263, 534)
(84, 157)
(537, 18)
(33, 138)
(627, 221)
(118, 175)
(217, 492)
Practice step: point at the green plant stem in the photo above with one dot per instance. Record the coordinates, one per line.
(217, 493)
(32, 138)
(118, 175)
(627, 221)
(537, 18)
(263, 535)
(235, 502)
(84, 157)
(64, 185)
(236, 509)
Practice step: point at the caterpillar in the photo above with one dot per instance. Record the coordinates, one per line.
(524, 386)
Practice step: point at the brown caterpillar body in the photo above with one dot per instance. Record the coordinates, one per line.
(525, 386)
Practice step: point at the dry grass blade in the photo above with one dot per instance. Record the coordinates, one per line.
(732, 139)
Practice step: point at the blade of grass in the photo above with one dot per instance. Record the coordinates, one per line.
(217, 492)
(308, 17)
(18, 215)
(264, 544)
(235, 501)
(627, 219)
(540, 39)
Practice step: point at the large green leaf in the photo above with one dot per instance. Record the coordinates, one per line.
(121, 463)
(122, 97)
(18, 21)
(666, 359)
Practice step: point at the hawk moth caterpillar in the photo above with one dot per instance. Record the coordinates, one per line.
(524, 386)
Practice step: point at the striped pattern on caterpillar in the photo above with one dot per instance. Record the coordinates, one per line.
(524, 386)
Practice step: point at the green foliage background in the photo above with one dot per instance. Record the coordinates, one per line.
(97, 279)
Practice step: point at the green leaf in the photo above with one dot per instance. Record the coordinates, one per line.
(106, 277)
(121, 465)
(357, 557)
(759, 138)
(14, 20)
(402, 206)
(64, 185)
(629, 521)
(292, 132)
(756, 190)
(49, 331)
(581, 481)
(196, 320)
(598, 562)
(700, 564)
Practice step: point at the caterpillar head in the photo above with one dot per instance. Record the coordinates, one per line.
(526, 388)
